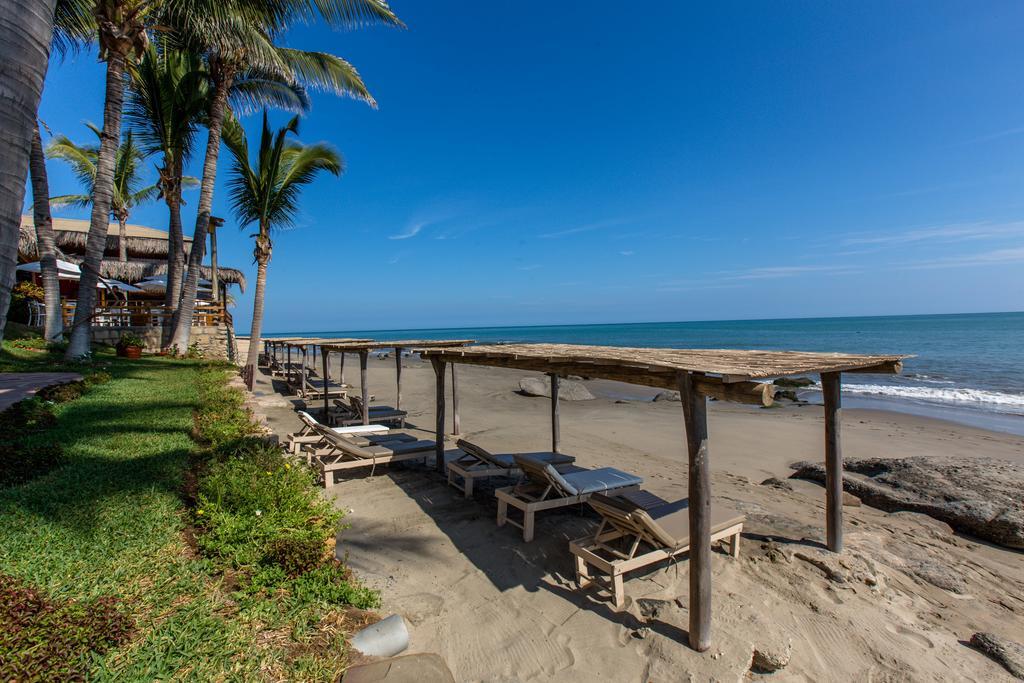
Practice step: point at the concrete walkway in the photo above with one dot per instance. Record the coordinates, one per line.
(17, 386)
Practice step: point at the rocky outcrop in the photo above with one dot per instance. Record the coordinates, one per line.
(1002, 650)
(567, 389)
(794, 382)
(979, 496)
(666, 396)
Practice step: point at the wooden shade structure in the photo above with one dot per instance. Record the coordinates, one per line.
(725, 374)
(363, 349)
(306, 346)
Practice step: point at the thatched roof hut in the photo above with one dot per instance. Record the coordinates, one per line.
(147, 250)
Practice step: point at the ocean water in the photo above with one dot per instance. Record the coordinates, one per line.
(967, 367)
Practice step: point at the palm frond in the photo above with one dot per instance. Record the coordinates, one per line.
(74, 26)
(66, 200)
(352, 13)
(255, 89)
(326, 72)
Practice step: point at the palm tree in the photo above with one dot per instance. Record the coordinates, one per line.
(46, 243)
(228, 59)
(128, 190)
(25, 30)
(72, 29)
(268, 194)
(167, 97)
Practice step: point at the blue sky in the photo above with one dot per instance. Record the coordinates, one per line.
(545, 163)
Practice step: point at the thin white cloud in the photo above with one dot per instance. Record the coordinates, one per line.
(997, 135)
(775, 272)
(589, 227)
(628, 252)
(943, 234)
(986, 258)
(532, 266)
(411, 230)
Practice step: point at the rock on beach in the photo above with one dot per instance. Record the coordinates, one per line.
(979, 496)
(568, 390)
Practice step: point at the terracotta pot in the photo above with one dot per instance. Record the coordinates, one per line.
(130, 351)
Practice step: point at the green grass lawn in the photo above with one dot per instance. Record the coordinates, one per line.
(110, 522)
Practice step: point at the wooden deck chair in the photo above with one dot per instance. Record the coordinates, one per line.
(313, 389)
(632, 536)
(342, 454)
(309, 435)
(545, 488)
(478, 463)
(352, 412)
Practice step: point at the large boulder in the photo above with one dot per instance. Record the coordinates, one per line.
(1003, 650)
(567, 389)
(980, 496)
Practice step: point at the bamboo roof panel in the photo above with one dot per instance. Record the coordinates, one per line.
(730, 364)
(371, 345)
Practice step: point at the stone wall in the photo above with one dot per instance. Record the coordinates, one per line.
(214, 341)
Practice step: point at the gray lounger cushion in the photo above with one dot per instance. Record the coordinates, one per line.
(601, 479)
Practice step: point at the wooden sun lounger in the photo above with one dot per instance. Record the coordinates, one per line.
(658, 531)
(313, 389)
(478, 463)
(546, 488)
(341, 453)
(361, 434)
(352, 412)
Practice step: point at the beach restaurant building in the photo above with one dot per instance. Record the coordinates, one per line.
(133, 285)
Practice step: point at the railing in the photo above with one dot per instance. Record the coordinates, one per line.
(144, 314)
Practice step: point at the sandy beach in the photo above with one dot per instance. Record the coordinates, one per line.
(898, 604)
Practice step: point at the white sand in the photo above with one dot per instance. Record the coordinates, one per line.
(498, 609)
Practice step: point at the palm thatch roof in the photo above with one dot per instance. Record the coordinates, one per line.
(147, 250)
(71, 235)
(137, 269)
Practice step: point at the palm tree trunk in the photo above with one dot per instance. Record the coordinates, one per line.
(257, 327)
(25, 30)
(218, 108)
(81, 329)
(53, 325)
(175, 241)
(122, 235)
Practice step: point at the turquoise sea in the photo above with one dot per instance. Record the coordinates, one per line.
(967, 367)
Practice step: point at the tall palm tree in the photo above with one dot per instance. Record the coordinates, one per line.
(25, 31)
(46, 243)
(73, 28)
(128, 189)
(230, 58)
(167, 98)
(268, 194)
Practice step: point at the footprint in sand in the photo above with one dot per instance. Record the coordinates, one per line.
(911, 635)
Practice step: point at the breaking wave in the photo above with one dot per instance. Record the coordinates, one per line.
(978, 398)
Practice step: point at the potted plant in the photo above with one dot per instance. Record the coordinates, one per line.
(130, 345)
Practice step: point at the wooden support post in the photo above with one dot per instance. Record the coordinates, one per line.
(398, 377)
(696, 418)
(830, 389)
(302, 386)
(363, 386)
(341, 370)
(288, 366)
(556, 430)
(439, 413)
(456, 427)
(325, 357)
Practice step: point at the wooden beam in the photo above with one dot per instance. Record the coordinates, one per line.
(892, 367)
(556, 427)
(302, 385)
(696, 419)
(831, 384)
(341, 370)
(439, 372)
(364, 386)
(750, 393)
(398, 377)
(456, 426)
(325, 357)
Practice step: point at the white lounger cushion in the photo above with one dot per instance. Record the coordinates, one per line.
(355, 429)
(601, 479)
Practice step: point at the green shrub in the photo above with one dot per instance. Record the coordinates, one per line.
(331, 584)
(296, 553)
(43, 640)
(62, 393)
(247, 501)
(96, 378)
(131, 339)
(26, 417)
